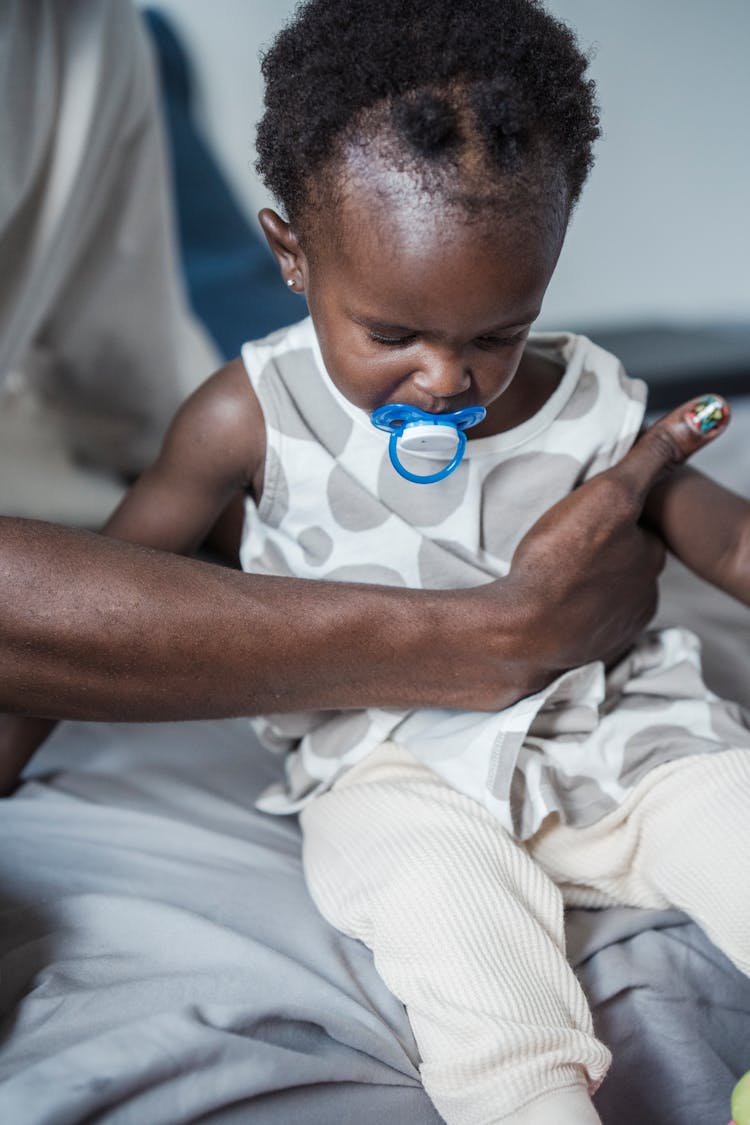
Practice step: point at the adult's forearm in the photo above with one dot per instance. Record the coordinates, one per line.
(96, 629)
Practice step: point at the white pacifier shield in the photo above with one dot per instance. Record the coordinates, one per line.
(425, 437)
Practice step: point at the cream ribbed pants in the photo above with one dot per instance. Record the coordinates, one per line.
(466, 924)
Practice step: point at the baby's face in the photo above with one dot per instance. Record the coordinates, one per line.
(422, 308)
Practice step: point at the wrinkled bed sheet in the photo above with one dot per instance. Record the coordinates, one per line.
(161, 962)
(160, 959)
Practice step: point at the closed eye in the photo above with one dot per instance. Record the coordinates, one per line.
(484, 342)
(489, 342)
(391, 341)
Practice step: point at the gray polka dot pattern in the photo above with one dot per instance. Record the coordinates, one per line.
(335, 508)
(324, 419)
(476, 563)
(441, 569)
(517, 491)
(350, 506)
(293, 425)
(423, 505)
(316, 544)
(271, 561)
(569, 721)
(579, 798)
(658, 744)
(584, 399)
(365, 572)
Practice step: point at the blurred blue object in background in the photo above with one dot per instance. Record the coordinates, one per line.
(233, 282)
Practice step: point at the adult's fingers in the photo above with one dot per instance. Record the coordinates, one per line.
(669, 443)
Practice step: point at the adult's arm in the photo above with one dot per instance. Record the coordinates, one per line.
(93, 628)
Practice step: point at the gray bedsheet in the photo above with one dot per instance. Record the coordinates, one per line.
(161, 962)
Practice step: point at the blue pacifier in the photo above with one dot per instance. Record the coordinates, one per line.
(420, 432)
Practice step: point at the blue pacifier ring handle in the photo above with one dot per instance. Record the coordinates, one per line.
(431, 478)
(396, 417)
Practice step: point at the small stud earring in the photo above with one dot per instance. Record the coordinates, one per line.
(291, 282)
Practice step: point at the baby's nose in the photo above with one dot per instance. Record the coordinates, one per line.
(443, 374)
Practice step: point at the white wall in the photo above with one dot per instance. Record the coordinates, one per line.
(662, 230)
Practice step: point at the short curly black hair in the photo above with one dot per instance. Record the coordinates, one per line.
(501, 75)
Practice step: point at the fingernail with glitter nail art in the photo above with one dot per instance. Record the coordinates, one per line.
(708, 414)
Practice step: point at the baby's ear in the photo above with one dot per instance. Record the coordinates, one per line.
(284, 246)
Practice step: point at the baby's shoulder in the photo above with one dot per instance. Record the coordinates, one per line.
(220, 426)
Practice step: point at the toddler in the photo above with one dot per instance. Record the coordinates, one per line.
(427, 158)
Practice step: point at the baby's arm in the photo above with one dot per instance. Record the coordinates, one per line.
(706, 526)
(213, 450)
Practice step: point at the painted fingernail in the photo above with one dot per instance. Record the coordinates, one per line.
(708, 413)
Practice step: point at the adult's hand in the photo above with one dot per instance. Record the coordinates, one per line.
(584, 578)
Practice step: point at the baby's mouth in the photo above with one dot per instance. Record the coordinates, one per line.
(436, 406)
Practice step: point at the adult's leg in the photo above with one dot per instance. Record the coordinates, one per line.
(86, 221)
(468, 932)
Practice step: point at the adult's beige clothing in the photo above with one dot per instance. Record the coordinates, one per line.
(91, 298)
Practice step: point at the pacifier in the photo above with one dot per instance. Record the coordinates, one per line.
(415, 431)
